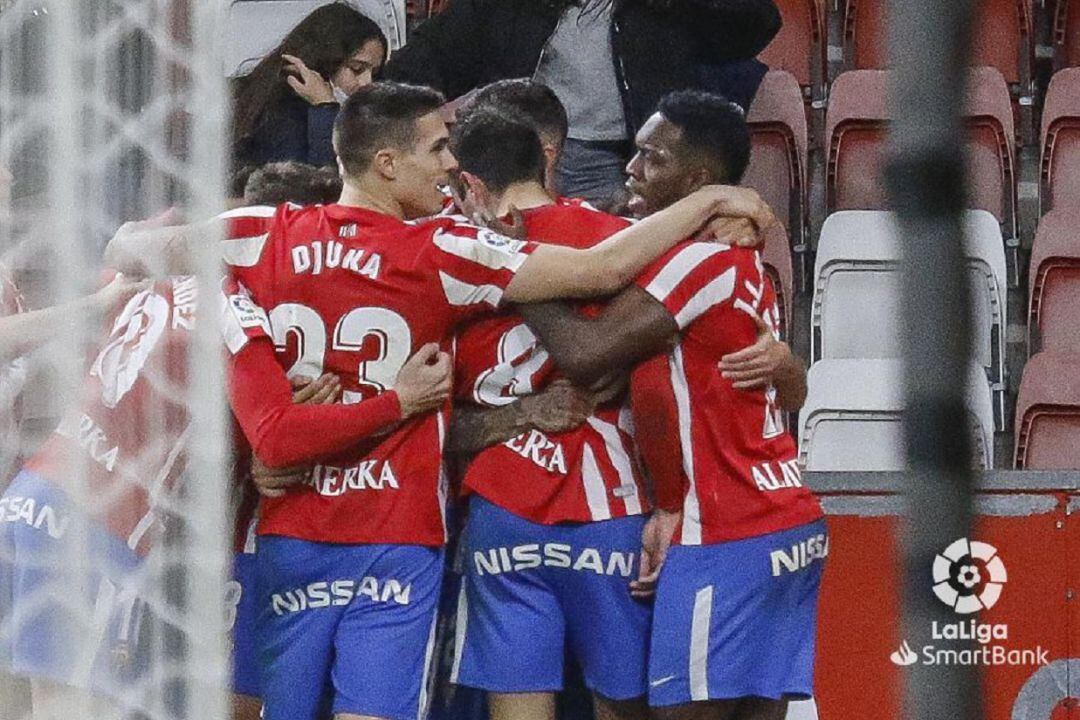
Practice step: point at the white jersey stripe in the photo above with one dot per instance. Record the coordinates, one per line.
(258, 211)
(595, 490)
(444, 481)
(488, 248)
(676, 269)
(243, 252)
(621, 461)
(699, 644)
(461, 626)
(715, 292)
(461, 293)
(691, 522)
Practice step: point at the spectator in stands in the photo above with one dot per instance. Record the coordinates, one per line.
(285, 108)
(609, 61)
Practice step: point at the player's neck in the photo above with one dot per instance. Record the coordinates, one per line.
(357, 195)
(523, 196)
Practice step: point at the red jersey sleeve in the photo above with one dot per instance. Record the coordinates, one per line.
(692, 278)
(656, 423)
(475, 265)
(283, 434)
(241, 319)
(246, 232)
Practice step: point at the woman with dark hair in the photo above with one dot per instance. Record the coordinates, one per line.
(608, 61)
(285, 108)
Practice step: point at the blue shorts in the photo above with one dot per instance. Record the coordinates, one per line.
(738, 619)
(345, 628)
(45, 601)
(533, 591)
(241, 607)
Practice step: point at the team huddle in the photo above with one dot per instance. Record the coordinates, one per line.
(600, 402)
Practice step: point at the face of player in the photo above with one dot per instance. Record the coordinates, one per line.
(360, 69)
(421, 172)
(659, 174)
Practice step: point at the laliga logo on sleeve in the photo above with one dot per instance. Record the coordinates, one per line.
(969, 576)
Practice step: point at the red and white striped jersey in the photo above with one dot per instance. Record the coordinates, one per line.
(356, 293)
(12, 379)
(590, 473)
(740, 466)
(127, 436)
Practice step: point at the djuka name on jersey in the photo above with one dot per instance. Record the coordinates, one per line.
(317, 256)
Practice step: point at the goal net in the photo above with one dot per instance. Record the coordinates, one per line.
(116, 523)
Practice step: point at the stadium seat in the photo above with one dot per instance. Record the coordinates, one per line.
(853, 417)
(1054, 293)
(855, 136)
(779, 158)
(1067, 33)
(1002, 36)
(777, 260)
(856, 309)
(800, 46)
(1060, 141)
(1048, 413)
(255, 27)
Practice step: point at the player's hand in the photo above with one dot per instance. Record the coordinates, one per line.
(737, 232)
(756, 366)
(118, 292)
(324, 390)
(424, 381)
(738, 202)
(655, 542)
(273, 483)
(559, 408)
(478, 205)
(609, 388)
(307, 83)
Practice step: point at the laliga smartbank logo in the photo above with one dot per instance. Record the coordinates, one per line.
(969, 576)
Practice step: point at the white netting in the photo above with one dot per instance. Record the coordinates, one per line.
(113, 549)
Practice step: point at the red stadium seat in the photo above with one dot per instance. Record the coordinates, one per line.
(855, 136)
(1002, 37)
(1060, 141)
(1054, 295)
(1067, 33)
(777, 260)
(1048, 414)
(778, 162)
(800, 45)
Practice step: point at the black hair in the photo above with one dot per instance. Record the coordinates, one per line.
(714, 128)
(294, 182)
(526, 101)
(498, 150)
(381, 115)
(324, 40)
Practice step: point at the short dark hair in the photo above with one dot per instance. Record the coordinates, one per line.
(714, 128)
(498, 150)
(294, 182)
(377, 116)
(524, 100)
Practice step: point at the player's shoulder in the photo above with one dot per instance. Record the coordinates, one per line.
(587, 213)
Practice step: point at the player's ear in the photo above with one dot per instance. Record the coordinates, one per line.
(385, 163)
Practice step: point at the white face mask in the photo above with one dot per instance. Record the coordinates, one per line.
(340, 95)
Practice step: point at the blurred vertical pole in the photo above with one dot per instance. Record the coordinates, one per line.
(927, 185)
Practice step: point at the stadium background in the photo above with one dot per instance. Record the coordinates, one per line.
(113, 111)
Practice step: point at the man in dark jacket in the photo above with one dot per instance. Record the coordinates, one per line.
(609, 61)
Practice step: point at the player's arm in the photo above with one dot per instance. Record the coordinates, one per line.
(283, 434)
(555, 271)
(634, 326)
(158, 248)
(558, 408)
(26, 331)
(768, 362)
